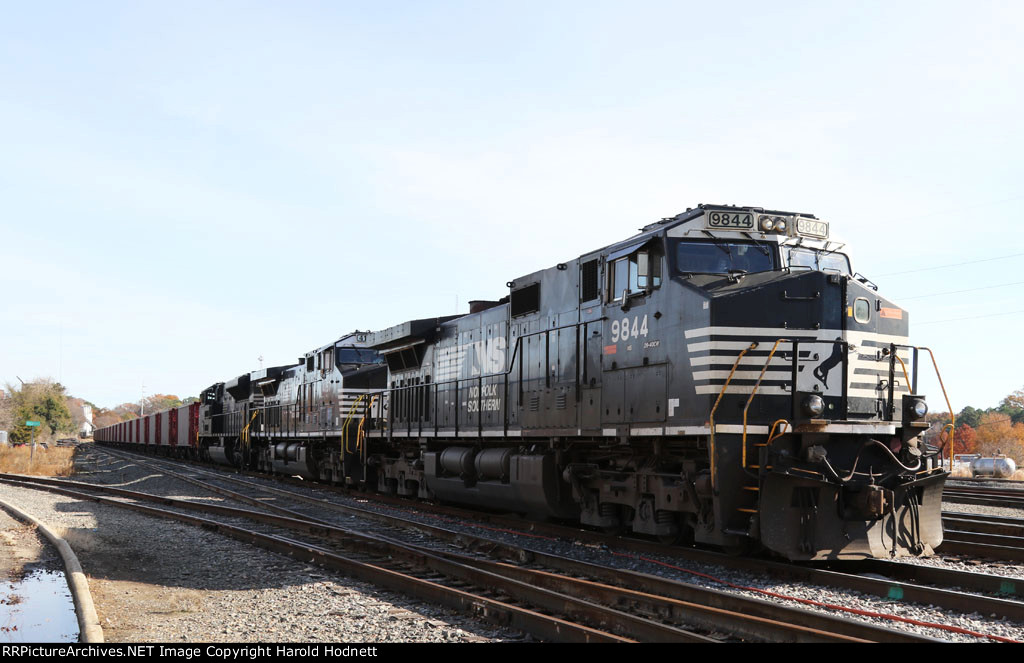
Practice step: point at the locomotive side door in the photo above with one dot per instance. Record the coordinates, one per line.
(590, 344)
(590, 380)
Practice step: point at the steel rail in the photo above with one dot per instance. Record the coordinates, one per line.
(983, 523)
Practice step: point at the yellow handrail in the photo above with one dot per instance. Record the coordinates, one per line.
(907, 377)
(750, 399)
(711, 419)
(952, 415)
(951, 426)
(360, 433)
(771, 433)
(245, 431)
(344, 426)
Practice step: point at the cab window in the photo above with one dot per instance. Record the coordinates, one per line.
(822, 261)
(635, 273)
(722, 257)
(861, 310)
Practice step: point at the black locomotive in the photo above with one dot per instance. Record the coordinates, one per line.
(722, 377)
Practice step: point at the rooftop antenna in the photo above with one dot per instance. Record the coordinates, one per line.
(261, 362)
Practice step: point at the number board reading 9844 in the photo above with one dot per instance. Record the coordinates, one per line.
(740, 220)
(812, 228)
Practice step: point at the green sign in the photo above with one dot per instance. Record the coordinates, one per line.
(31, 423)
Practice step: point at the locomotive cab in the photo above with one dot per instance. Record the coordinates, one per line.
(814, 424)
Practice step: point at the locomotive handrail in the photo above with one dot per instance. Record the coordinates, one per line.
(348, 419)
(390, 391)
(753, 392)
(905, 375)
(711, 419)
(952, 415)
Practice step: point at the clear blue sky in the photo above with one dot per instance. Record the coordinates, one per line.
(187, 186)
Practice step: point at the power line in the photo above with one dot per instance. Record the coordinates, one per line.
(955, 264)
(953, 320)
(956, 292)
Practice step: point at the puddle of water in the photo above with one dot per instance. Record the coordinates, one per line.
(37, 608)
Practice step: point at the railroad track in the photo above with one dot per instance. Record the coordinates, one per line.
(985, 481)
(905, 582)
(515, 595)
(984, 496)
(722, 604)
(979, 535)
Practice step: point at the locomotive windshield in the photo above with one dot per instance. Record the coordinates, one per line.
(722, 257)
(824, 261)
(357, 356)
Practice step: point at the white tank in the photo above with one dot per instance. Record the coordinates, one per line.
(1000, 467)
(3, 438)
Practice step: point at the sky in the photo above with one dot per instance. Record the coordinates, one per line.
(188, 187)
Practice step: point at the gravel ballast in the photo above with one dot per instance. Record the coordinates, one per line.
(164, 581)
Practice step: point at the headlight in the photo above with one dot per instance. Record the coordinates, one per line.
(766, 223)
(814, 405)
(780, 225)
(918, 408)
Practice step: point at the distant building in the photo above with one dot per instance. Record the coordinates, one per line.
(87, 427)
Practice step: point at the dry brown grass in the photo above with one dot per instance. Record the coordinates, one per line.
(52, 462)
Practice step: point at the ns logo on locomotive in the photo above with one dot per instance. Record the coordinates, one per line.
(723, 377)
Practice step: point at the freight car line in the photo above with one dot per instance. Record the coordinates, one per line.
(705, 607)
(891, 589)
(550, 591)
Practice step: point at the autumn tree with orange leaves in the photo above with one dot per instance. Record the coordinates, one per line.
(965, 441)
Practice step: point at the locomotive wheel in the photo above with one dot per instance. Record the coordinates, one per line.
(670, 539)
